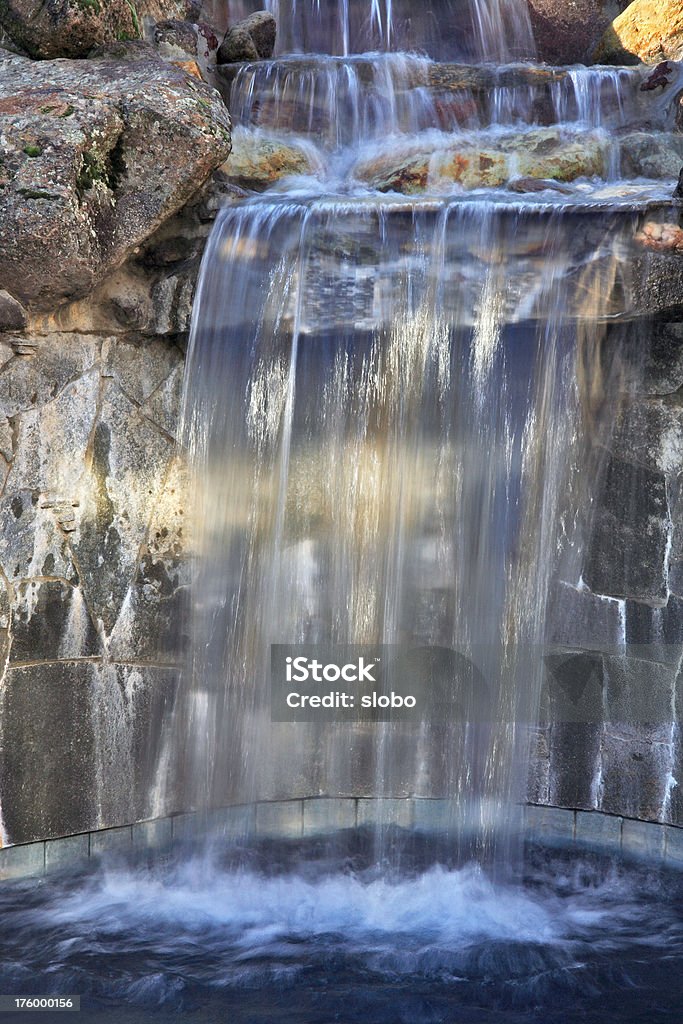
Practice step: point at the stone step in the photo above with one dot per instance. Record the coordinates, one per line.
(419, 73)
(592, 261)
(344, 102)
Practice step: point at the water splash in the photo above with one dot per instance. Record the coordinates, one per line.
(239, 944)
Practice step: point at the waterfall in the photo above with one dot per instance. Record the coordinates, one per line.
(383, 412)
(483, 30)
(392, 408)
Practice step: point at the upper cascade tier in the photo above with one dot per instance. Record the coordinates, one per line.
(469, 30)
(402, 123)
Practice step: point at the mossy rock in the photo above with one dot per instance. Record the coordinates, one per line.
(54, 28)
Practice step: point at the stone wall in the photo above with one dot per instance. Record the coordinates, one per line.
(94, 539)
(94, 543)
(104, 211)
(617, 623)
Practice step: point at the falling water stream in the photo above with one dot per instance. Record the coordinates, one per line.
(385, 414)
(394, 409)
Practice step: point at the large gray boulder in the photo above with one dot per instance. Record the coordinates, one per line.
(94, 156)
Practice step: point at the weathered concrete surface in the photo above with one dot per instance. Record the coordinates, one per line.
(95, 156)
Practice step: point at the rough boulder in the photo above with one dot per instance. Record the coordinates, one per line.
(94, 156)
(251, 39)
(648, 30)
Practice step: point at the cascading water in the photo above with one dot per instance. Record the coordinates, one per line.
(385, 417)
(389, 471)
(404, 367)
(497, 30)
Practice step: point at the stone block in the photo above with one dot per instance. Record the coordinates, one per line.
(574, 763)
(67, 853)
(579, 618)
(328, 814)
(129, 703)
(281, 819)
(627, 552)
(385, 811)
(673, 852)
(655, 634)
(56, 361)
(47, 751)
(56, 473)
(153, 835)
(129, 462)
(573, 686)
(674, 807)
(662, 373)
(601, 831)
(186, 827)
(639, 694)
(634, 778)
(50, 621)
(649, 432)
(140, 365)
(643, 839)
(538, 782)
(232, 823)
(22, 861)
(434, 816)
(675, 576)
(550, 824)
(111, 841)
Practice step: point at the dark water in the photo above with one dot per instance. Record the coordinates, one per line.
(230, 938)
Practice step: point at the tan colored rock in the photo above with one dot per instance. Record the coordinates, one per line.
(544, 153)
(258, 160)
(407, 173)
(549, 153)
(660, 237)
(648, 30)
(190, 67)
(530, 185)
(158, 10)
(475, 168)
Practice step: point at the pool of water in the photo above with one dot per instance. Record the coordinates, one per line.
(227, 937)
